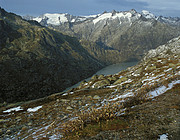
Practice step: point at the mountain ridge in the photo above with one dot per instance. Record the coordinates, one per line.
(56, 17)
(36, 61)
(129, 33)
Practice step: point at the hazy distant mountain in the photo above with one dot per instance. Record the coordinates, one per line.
(130, 33)
(58, 19)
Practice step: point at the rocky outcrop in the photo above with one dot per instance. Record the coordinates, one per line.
(165, 51)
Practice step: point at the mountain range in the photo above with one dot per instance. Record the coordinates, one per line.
(128, 34)
(58, 19)
(40, 58)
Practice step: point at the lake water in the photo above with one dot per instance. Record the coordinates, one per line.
(111, 69)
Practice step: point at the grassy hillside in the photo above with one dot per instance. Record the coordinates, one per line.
(36, 61)
(141, 102)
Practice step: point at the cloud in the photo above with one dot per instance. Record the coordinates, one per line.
(165, 7)
(121, 3)
(162, 4)
(87, 7)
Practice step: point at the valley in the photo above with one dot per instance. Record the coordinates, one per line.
(132, 60)
(118, 106)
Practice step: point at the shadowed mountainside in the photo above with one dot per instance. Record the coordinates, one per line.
(36, 61)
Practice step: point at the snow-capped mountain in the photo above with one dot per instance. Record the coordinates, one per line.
(147, 14)
(130, 33)
(128, 16)
(169, 20)
(58, 19)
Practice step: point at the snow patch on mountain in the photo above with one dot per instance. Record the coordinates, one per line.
(13, 109)
(54, 19)
(58, 19)
(148, 14)
(117, 15)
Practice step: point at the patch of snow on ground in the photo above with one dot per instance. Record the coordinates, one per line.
(13, 109)
(146, 74)
(163, 89)
(93, 85)
(163, 137)
(34, 109)
(112, 86)
(159, 61)
(129, 94)
(121, 77)
(178, 73)
(85, 84)
(65, 94)
(128, 81)
(168, 70)
(133, 74)
(149, 79)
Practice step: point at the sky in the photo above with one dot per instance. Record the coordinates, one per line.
(90, 7)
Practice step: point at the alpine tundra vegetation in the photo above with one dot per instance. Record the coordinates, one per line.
(39, 59)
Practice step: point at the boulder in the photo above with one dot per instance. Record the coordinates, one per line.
(69, 108)
(102, 83)
(150, 68)
(94, 77)
(101, 77)
(112, 79)
(96, 97)
(119, 81)
(138, 71)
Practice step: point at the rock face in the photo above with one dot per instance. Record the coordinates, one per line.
(165, 51)
(123, 36)
(36, 61)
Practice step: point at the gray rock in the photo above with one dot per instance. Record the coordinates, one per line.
(119, 81)
(64, 100)
(29, 124)
(8, 131)
(96, 97)
(69, 108)
(89, 97)
(101, 83)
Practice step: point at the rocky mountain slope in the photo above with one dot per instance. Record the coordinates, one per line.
(141, 102)
(36, 61)
(130, 33)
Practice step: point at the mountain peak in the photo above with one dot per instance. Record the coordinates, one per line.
(147, 14)
(133, 11)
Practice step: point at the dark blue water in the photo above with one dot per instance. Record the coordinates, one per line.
(111, 69)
